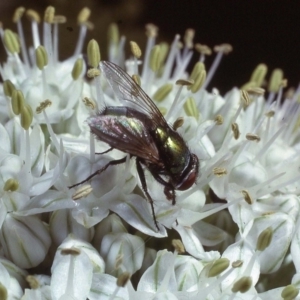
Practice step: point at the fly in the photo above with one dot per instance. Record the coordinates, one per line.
(139, 129)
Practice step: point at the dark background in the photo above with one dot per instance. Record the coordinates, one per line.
(259, 31)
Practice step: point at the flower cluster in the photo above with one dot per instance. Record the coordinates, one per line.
(232, 235)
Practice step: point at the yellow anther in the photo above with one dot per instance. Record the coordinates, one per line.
(83, 15)
(89, 103)
(235, 130)
(245, 98)
(264, 239)
(18, 14)
(252, 137)
(41, 57)
(178, 123)
(123, 279)
(163, 92)
(135, 49)
(136, 79)
(219, 172)
(275, 80)
(70, 251)
(247, 196)
(257, 91)
(184, 82)
(49, 14)
(225, 48)
(92, 73)
(43, 105)
(59, 19)
(93, 53)
(26, 116)
(177, 244)
(242, 285)
(190, 108)
(82, 192)
(11, 41)
(17, 101)
(154, 61)
(151, 30)
(8, 88)
(113, 33)
(33, 282)
(203, 49)
(259, 74)
(11, 185)
(188, 38)
(32, 15)
(219, 120)
(219, 266)
(77, 69)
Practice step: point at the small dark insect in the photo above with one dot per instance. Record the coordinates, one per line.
(140, 130)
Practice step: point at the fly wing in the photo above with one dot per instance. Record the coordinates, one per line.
(127, 90)
(125, 134)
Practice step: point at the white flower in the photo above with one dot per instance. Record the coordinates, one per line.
(85, 215)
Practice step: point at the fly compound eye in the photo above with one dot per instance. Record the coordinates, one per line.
(189, 177)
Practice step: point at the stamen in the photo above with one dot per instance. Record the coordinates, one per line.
(56, 21)
(170, 59)
(151, 32)
(47, 33)
(221, 50)
(137, 53)
(113, 41)
(35, 19)
(82, 20)
(19, 12)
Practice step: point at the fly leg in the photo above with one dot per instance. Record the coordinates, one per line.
(106, 151)
(144, 187)
(98, 172)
